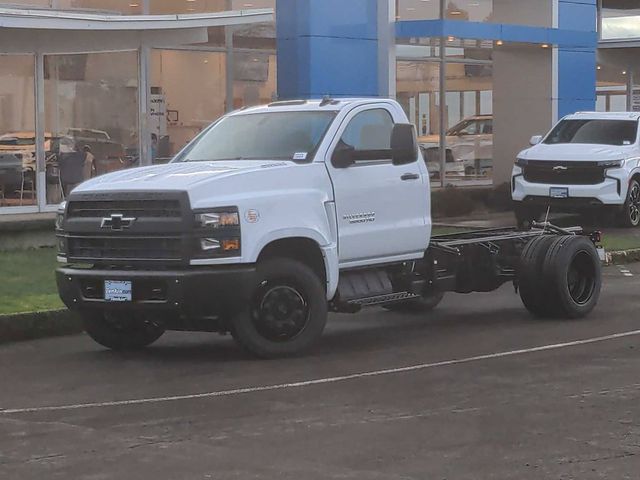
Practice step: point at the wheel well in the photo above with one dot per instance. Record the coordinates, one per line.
(301, 249)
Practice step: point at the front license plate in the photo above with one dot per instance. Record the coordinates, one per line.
(559, 192)
(117, 290)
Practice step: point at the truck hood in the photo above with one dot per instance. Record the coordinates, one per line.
(576, 152)
(177, 176)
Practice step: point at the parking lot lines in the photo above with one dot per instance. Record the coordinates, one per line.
(321, 381)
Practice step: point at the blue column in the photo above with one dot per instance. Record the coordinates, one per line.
(576, 66)
(328, 47)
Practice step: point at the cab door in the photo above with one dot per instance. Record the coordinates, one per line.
(382, 208)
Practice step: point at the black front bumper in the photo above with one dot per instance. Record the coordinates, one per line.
(193, 292)
(569, 205)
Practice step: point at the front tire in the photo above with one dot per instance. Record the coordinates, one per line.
(630, 216)
(287, 312)
(121, 331)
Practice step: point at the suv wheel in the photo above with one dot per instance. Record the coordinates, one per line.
(631, 212)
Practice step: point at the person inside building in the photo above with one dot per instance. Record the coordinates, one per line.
(89, 167)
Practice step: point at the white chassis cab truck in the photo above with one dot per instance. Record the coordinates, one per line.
(275, 215)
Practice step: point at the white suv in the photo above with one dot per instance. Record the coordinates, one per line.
(588, 161)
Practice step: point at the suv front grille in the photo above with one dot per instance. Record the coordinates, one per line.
(564, 173)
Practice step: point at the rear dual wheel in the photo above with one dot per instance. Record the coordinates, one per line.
(560, 276)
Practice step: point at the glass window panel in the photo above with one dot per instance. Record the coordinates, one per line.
(26, 3)
(91, 117)
(191, 87)
(17, 131)
(205, 6)
(618, 103)
(601, 103)
(417, 9)
(127, 7)
(473, 11)
(469, 99)
(620, 19)
(254, 78)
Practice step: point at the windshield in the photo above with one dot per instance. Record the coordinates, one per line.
(599, 132)
(261, 136)
(472, 126)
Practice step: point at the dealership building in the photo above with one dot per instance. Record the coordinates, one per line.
(132, 81)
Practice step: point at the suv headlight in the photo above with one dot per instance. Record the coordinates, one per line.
(521, 162)
(612, 164)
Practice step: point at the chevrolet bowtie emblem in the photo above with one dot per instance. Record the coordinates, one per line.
(560, 168)
(117, 222)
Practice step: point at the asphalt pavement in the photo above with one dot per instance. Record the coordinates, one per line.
(477, 390)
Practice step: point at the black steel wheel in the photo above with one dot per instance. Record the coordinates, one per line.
(631, 212)
(572, 271)
(287, 313)
(122, 330)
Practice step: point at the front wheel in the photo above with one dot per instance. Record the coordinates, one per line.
(287, 312)
(630, 216)
(122, 331)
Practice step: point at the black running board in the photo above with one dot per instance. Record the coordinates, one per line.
(383, 299)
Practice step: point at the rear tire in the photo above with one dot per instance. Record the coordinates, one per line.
(287, 313)
(531, 282)
(417, 306)
(121, 331)
(572, 272)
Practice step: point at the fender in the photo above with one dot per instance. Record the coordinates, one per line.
(328, 248)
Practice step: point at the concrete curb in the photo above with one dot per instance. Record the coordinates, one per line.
(623, 256)
(29, 326)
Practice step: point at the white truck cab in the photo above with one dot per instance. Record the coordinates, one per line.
(270, 218)
(587, 161)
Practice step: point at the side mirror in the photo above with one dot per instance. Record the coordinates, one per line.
(535, 140)
(343, 156)
(404, 144)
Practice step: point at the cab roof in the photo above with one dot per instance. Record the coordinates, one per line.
(604, 116)
(320, 105)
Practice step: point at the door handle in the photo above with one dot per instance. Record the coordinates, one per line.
(410, 176)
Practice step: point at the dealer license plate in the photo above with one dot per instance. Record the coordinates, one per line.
(559, 192)
(117, 290)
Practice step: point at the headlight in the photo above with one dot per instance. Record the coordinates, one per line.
(521, 162)
(612, 164)
(60, 215)
(218, 233)
(218, 219)
(223, 246)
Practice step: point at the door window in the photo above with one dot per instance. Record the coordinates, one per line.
(369, 130)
